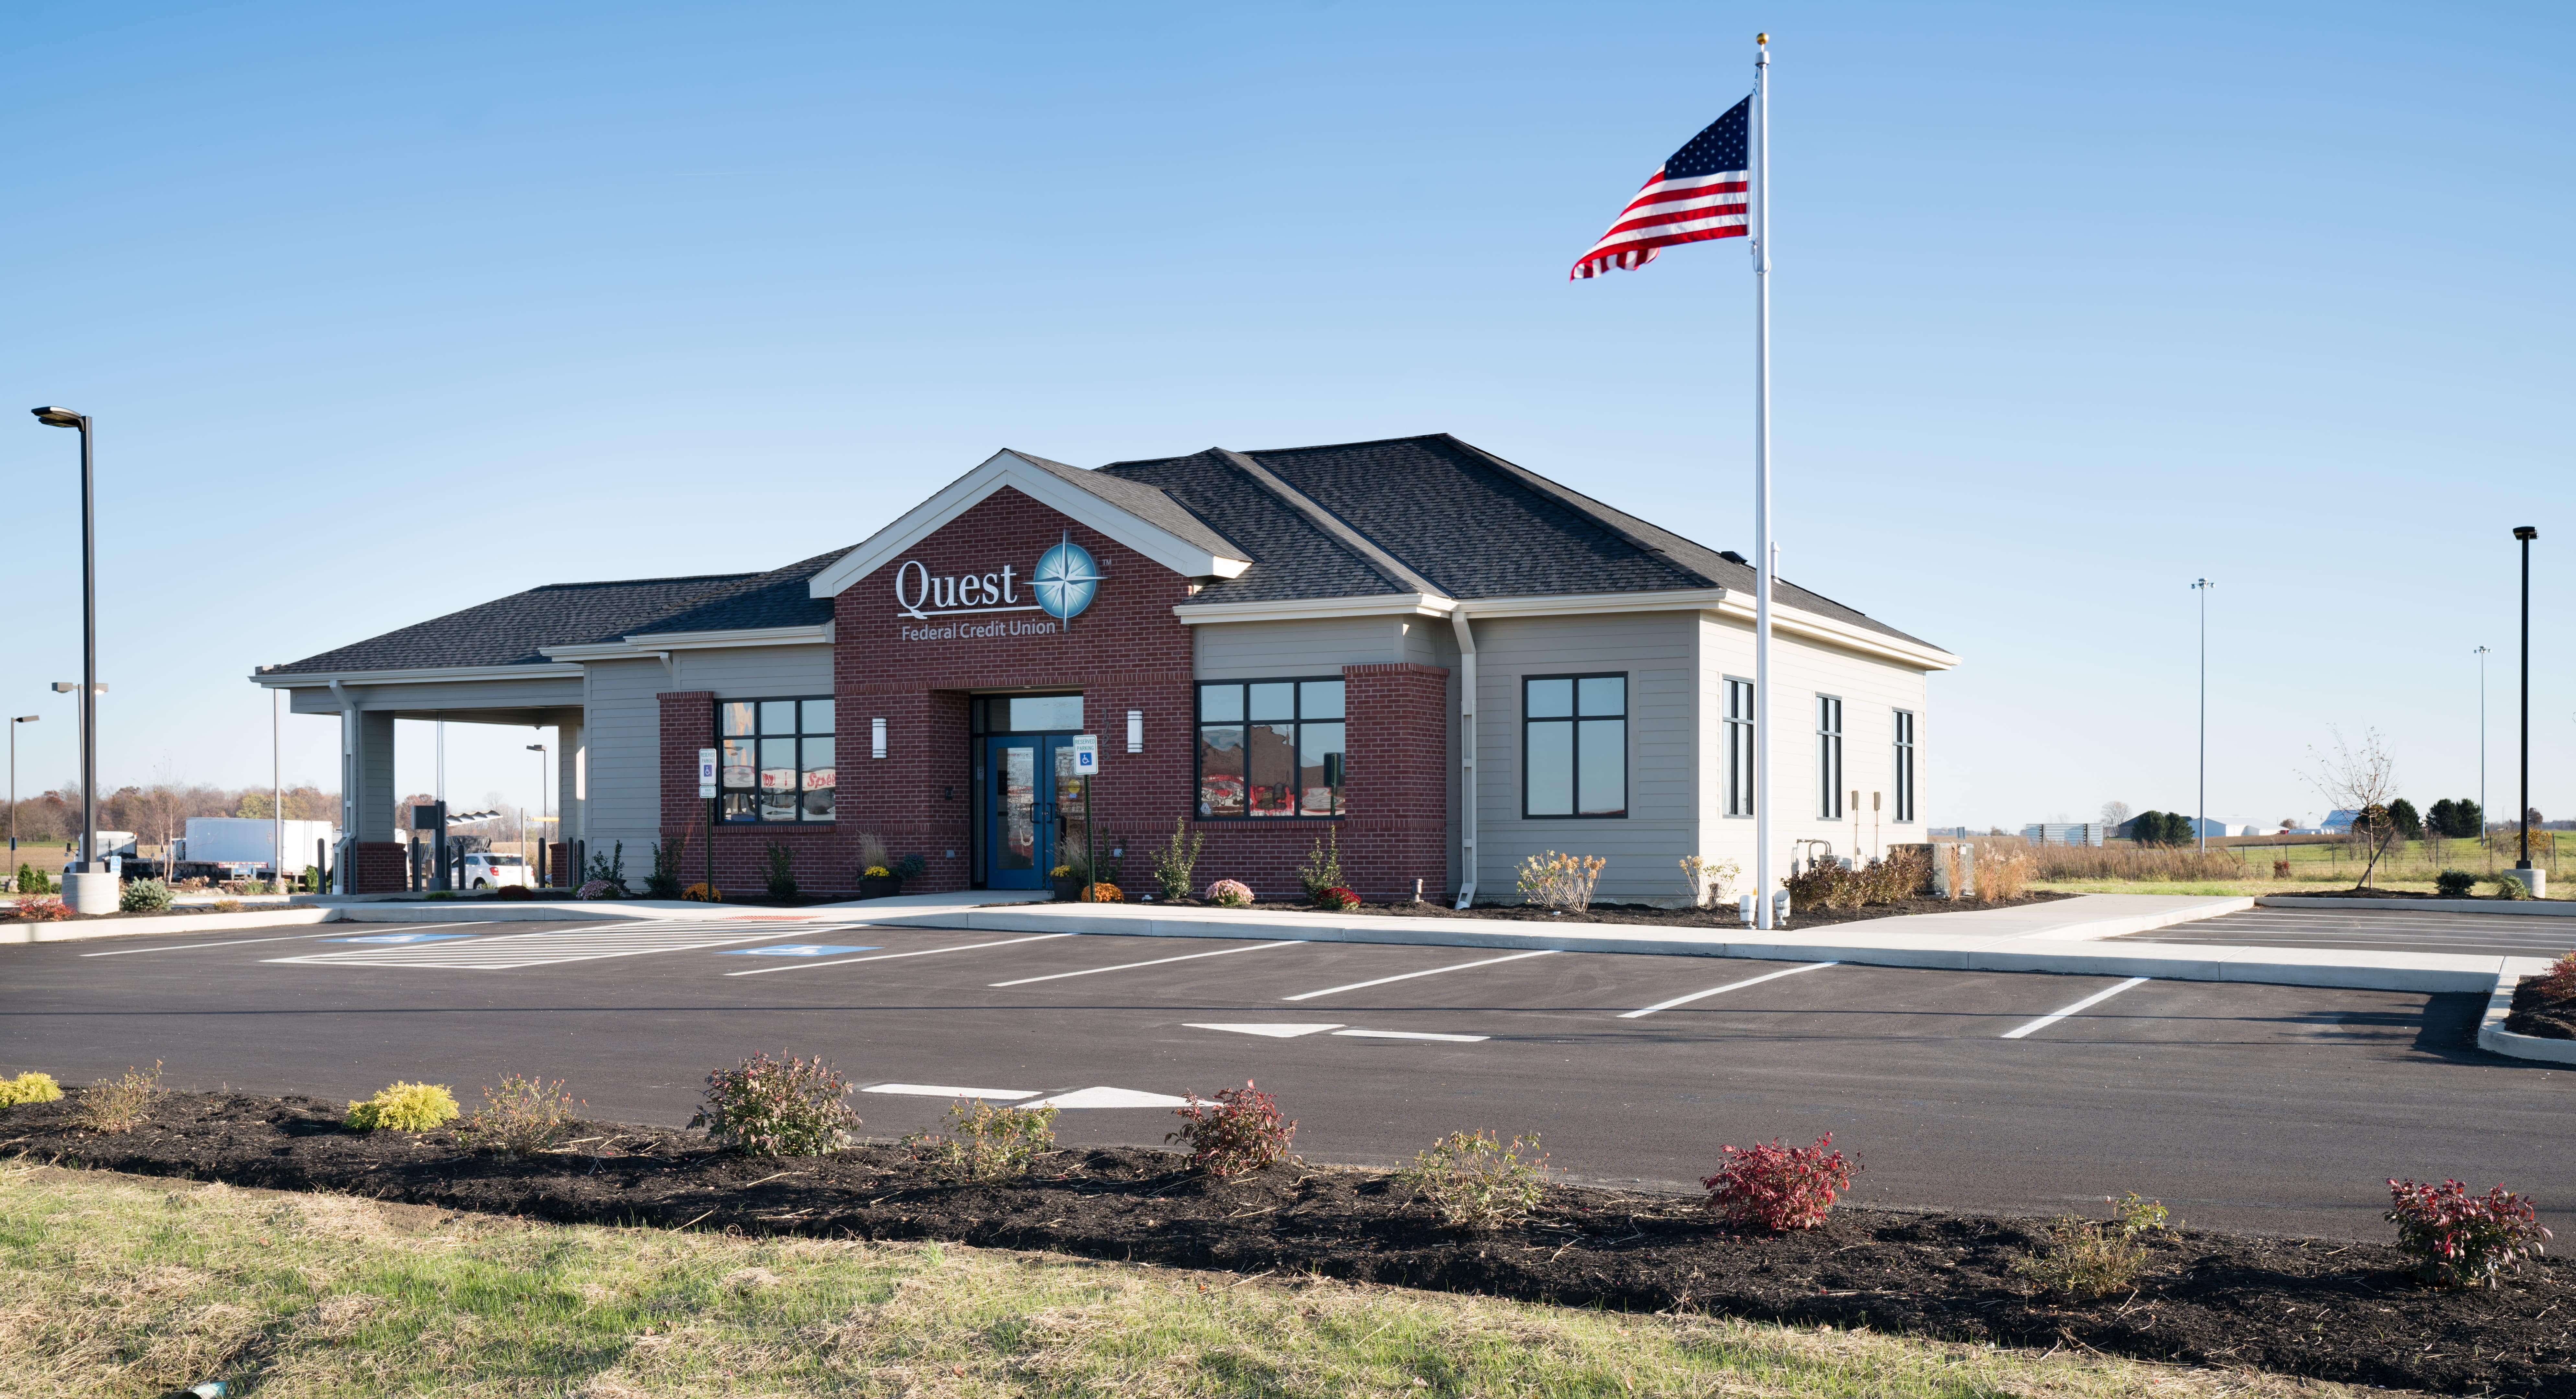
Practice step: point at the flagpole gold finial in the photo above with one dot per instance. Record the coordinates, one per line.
(1762, 38)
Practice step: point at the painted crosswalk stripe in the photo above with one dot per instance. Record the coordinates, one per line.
(245, 942)
(890, 956)
(512, 951)
(1408, 976)
(1157, 962)
(1722, 990)
(2087, 1003)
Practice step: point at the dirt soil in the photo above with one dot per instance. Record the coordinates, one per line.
(2539, 1014)
(1805, 917)
(2346, 1312)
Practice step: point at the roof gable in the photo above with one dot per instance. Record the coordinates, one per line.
(1131, 512)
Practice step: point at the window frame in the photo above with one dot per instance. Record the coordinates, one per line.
(1829, 756)
(756, 737)
(1574, 751)
(1740, 755)
(1296, 743)
(1904, 745)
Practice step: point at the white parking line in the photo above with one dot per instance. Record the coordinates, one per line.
(890, 956)
(282, 937)
(1157, 962)
(1408, 976)
(516, 951)
(1722, 990)
(2087, 1003)
(936, 1090)
(1407, 1035)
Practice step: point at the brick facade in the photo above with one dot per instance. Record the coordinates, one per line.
(384, 867)
(1126, 652)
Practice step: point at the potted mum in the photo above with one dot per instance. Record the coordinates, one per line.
(877, 882)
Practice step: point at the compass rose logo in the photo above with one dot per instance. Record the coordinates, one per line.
(1065, 580)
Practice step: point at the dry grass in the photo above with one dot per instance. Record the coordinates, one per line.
(2266, 868)
(121, 1286)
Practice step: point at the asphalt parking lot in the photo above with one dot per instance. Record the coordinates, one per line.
(2274, 1108)
(2498, 934)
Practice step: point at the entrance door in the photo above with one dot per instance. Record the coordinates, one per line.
(1029, 799)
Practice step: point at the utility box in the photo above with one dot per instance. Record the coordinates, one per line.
(250, 840)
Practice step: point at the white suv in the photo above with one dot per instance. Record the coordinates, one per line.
(487, 871)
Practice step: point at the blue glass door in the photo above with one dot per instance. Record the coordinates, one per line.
(1028, 798)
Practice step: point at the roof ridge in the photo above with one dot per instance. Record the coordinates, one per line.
(1379, 559)
(629, 582)
(1628, 527)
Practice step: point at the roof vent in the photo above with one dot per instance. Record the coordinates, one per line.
(1731, 556)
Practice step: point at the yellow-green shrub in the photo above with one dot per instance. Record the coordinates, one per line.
(29, 1087)
(404, 1107)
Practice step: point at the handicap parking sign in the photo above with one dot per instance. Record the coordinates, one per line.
(403, 937)
(793, 949)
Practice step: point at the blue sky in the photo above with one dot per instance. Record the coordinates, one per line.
(387, 310)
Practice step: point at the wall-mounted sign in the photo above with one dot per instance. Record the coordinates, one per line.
(1061, 585)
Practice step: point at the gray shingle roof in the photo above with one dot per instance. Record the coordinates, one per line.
(1393, 514)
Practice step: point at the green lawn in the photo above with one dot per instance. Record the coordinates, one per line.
(126, 1286)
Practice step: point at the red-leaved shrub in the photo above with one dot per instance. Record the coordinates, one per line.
(1336, 897)
(1241, 1131)
(2462, 1240)
(2559, 982)
(1780, 1187)
(44, 910)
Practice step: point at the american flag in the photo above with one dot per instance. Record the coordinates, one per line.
(1699, 193)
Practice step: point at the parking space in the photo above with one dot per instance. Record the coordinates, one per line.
(1989, 1090)
(2497, 934)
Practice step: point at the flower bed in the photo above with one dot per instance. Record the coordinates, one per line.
(1628, 913)
(2333, 1311)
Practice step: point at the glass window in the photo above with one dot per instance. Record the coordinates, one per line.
(774, 760)
(1271, 748)
(1574, 745)
(1829, 758)
(1904, 766)
(1739, 747)
(1031, 714)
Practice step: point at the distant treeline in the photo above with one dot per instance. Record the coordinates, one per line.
(155, 813)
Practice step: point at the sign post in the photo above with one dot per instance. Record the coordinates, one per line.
(707, 793)
(1086, 762)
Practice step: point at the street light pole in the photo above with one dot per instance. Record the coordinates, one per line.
(64, 417)
(2201, 586)
(2526, 533)
(13, 776)
(2481, 654)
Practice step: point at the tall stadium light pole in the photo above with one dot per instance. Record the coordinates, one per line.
(64, 417)
(2201, 586)
(13, 776)
(2481, 654)
(2525, 533)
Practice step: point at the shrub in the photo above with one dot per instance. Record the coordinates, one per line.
(1238, 1132)
(514, 892)
(1895, 877)
(2280, 869)
(1323, 868)
(1477, 1181)
(1173, 863)
(32, 880)
(2508, 887)
(404, 1107)
(143, 896)
(984, 1142)
(522, 1116)
(664, 881)
(608, 874)
(1779, 1187)
(1826, 885)
(117, 1104)
(909, 867)
(782, 871)
(2088, 1258)
(234, 905)
(29, 1087)
(702, 892)
(2455, 884)
(1710, 880)
(1560, 881)
(2462, 1240)
(1103, 893)
(2003, 871)
(592, 889)
(1230, 893)
(777, 1107)
(2559, 982)
(1336, 898)
(45, 909)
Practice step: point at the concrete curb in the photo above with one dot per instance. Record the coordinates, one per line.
(2544, 908)
(76, 930)
(2494, 1038)
(2143, 922)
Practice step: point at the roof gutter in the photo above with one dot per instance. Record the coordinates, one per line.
(1466, 756)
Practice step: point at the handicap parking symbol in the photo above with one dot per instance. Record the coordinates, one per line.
(793, 949)
(403, 937)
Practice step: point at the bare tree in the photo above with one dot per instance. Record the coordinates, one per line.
(2363, 781)
(2116, 814)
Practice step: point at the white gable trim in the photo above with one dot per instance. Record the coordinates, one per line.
(1007, 468)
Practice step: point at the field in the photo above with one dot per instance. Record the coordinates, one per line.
(126, 1286)
(2242, 867)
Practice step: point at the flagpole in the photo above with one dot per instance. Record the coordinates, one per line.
(1762, 558)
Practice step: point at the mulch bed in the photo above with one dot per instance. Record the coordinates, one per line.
(2346, 1312)
(7, 914)
(2361, 893)
(1634, 913)
(2539, 1014)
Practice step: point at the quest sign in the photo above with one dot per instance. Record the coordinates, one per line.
(1061, 585)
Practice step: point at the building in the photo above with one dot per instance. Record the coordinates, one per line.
(2066, 833)
(1441, 661)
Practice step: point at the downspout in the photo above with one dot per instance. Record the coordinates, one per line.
(1466, 756)
(348, 880)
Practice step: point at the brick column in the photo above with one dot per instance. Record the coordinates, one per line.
(1398, 794)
